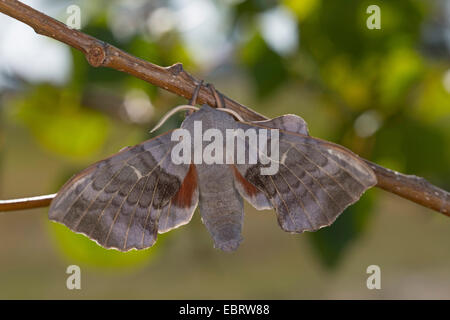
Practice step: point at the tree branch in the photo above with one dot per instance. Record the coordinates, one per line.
(416, 189)
(176, 80)
(101, 54)
(26, 203)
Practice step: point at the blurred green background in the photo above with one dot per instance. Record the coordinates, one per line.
(385, 94)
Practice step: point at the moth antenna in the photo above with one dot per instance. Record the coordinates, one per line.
(171, 113)
(232, 112)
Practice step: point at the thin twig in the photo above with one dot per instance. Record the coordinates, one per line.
(416, 189)
(26, 203)
(176, 80)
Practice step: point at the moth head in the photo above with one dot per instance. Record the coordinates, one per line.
(187, 107)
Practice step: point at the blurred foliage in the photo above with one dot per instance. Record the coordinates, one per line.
(59, 122)
(80, 250)
(330, 243)
(384, 90)
(260, 61)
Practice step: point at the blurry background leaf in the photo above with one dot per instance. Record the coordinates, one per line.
(59, 123)
(330, 244)
(403, 67)
(264, 65)
(82, 251)
(302, 9)
(407, 140)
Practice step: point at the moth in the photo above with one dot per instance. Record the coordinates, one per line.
(124, 201)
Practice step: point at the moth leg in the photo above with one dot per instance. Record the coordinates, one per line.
(220, 103)
(193, 100)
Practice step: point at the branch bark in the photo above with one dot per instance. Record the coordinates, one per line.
(176, 80)
(26, 203)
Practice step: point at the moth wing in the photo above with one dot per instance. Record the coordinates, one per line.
(287, 122)
(253, 195)
(315, 182)
(181, 206)
(119, 201)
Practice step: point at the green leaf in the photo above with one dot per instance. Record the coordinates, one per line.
(264, 65)
(59, 123)
(254, 6)
(302, 9)
(400, 70)
(80, 250)
(420, 147)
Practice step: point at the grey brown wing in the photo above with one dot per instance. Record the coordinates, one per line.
(118, 202)
(315, 182)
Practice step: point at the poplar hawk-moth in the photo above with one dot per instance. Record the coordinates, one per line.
(124, 201)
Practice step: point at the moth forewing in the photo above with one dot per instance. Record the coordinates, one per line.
(117, 201)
